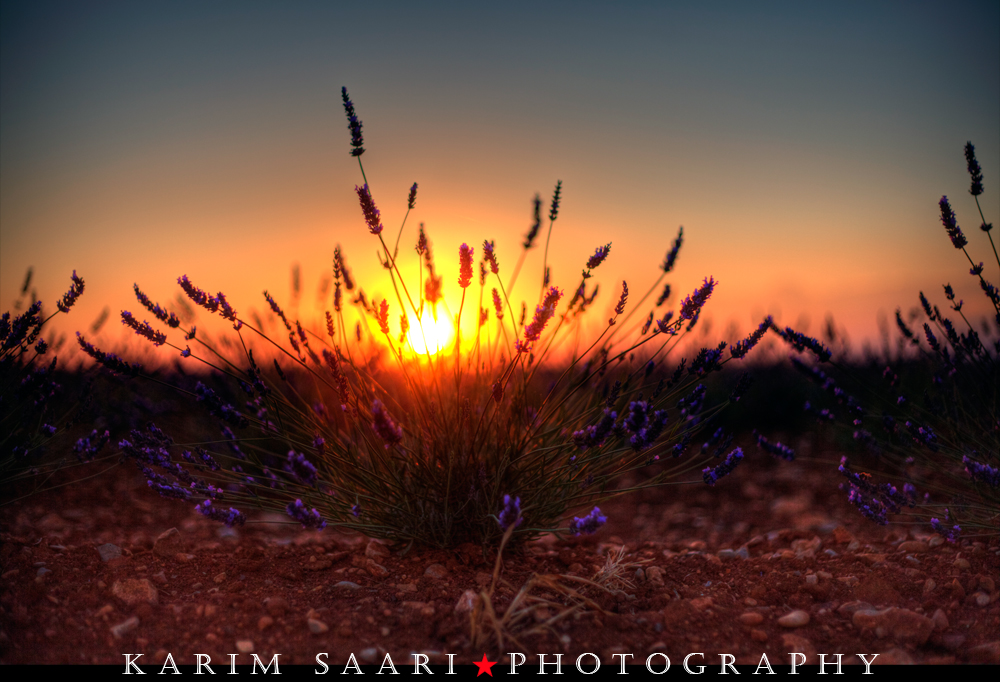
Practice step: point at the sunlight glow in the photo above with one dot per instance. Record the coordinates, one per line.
(439, 333)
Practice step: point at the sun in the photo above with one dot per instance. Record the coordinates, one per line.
(439, 333)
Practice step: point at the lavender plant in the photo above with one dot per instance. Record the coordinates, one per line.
(35, 411)
(387, 433)
(932, 418)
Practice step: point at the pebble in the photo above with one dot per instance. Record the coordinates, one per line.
(982, 599)
(758, 635)
(654, 574)
(276, 606)
(903, 625)
(219, 579)
(986, 653)
(751, 618)
(244, 646)
(467, 602)
(161, 578)
(317, 627)
(986, 584)
(952, 641)
(42, 572)
(369, 655)
(929, 586)
(940, 620)
(912, 547)
(640, 575)
(125, 627)
(935, 541)
(895, 657)
(377, 570)
(348, 584)
(795, 619)
(376, 550)
(168, 543)
(134, 592)
(961, 563)
(109, 552)
(701, 603)
(800, 645)
(830, 553)
(851, 607)
(264, 623)
(436, 571)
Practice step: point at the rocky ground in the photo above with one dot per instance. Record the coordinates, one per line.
(772, 560)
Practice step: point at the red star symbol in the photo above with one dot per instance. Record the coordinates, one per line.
(484, 666)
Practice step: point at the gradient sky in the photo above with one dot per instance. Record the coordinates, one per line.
(803, 146)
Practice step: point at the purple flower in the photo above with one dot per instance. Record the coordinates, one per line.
(86, 448)
(372, 215)
(594, 436)
(951, 224)
(384, 426)
(777, 449)
(982, 472)
(411, 200)
(197, 295)
(589, 524)
(497, 304)
(491, 257)
(974, 170)
(529, 238)
(356, 510)
(357, 141)
(41, 347)
(800, 342)
(870, 507)
(171, 320)
(599, 255)
(712, 474)
(543, 314)
(465, 253)
(554, 211)
(309, 518)
(110, 361)
(230, 517)
(69, 298)
(693, 303)
(301, 468)
(158, 338)
(671, 258)
(949, 534)
(746, 345)
(663, 296)
(510, 514)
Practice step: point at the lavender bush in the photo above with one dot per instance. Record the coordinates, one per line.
(932, 421)
(363, 429)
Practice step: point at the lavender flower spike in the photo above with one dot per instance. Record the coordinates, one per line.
(143, 328)
(309, 518)
(599, 255)
(974, 170)
(511, 513)
(589, 524)
(387, 430)
(713, 474)
(693, 303)
(543, 314)
(357, 141)
(372, 215)
(69, 298)
(230, 517)
(671, 258)
(554, 211)
(951, 224)
(491, 257)
(465, 253)
(411, 200)
(982, 472)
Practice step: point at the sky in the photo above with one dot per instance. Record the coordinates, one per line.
(803, 147)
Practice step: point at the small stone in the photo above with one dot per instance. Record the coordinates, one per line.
(982, 599)
(317, 627)
(940, 620)
(184, 558)
(953, 641)
(436, 571)
(109, 552)
(161, 577)
(800, 645)
(988, 653)
(830, 553)
(727, 554)
(640, 575)
(935, 541)
(376, 550)
(961, 563)
(407, 587)
(369, 655)
(751, 618)
(848, 580)
(795, 619)
(42, 572)
(244, 646)
(903, 625)
(134, 592)
(986, 584)
(168, 543)
(824, 575)
(929, 586)
(812, 579)
(654, 574)
(850, 607)
(912, 547)
(219, 579)
(957, 591)
(125, 627)
(347, 584)
(750, 601)
(701, 603)
(377, 570)
(467, 602)
(758, 635)
(276, 606)
(264, 623)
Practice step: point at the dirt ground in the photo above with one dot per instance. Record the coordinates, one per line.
(772, 560)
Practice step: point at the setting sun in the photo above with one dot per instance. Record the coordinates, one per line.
(433, 334)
